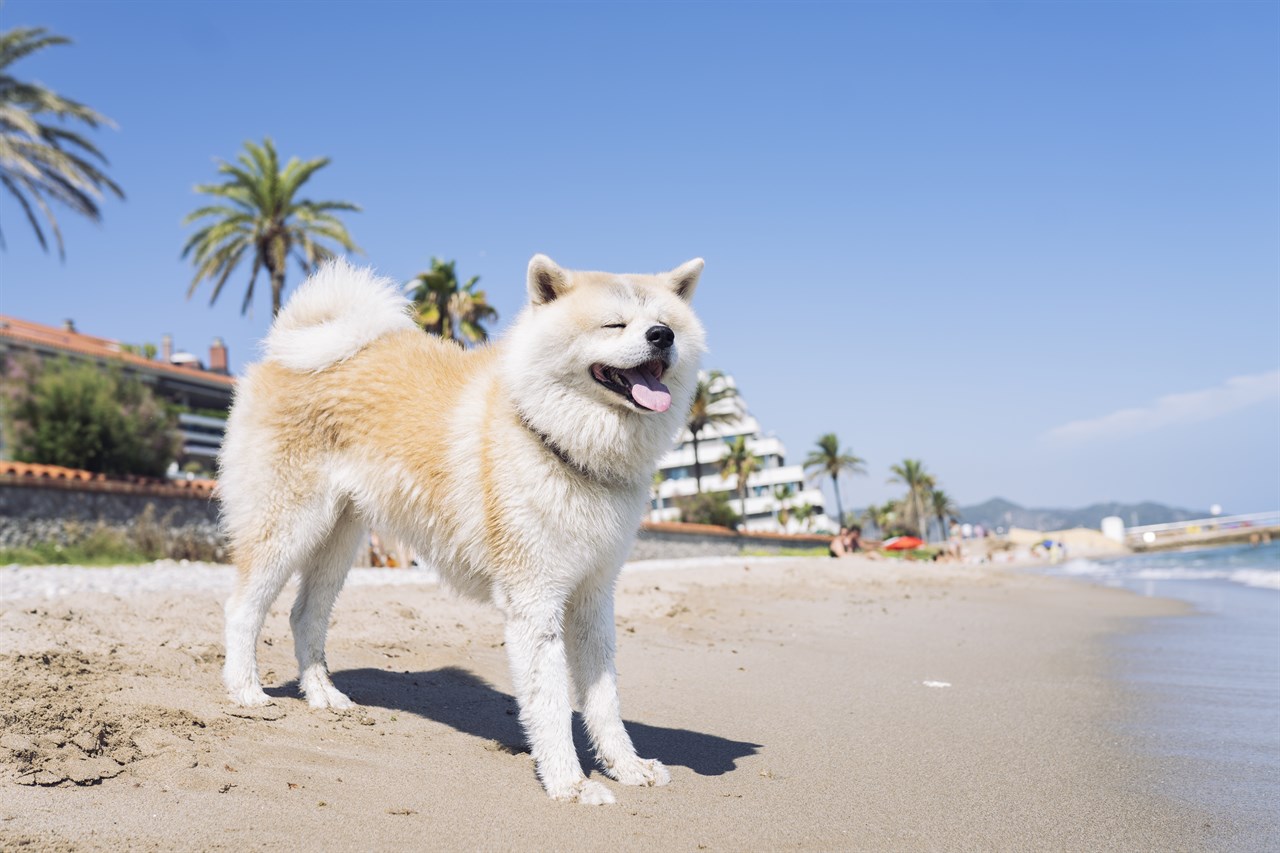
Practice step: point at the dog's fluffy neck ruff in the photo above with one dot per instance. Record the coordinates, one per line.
(555, 450)
(619, 448)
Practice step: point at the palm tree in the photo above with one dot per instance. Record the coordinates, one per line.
(919, 483)
(944, 509)
(881, 517)
(740, 462)
(41, 162)
(708, 409)
(655, 489)
(783, 495)
(804, 514)
(830, 460)
(445, 308)
(262, 218)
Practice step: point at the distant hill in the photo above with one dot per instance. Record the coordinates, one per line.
(999, 512)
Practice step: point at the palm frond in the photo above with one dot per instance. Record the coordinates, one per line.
(43, 163)
(260, 213)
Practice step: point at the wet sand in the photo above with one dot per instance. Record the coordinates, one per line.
(791, 699)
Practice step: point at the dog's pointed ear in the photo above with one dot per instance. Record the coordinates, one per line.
(547, 282)
(684, 278)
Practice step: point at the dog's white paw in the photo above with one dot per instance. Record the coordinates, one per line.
(582, 791)
(321, 693)
(330, 698)
(640, 771)
(250, 697)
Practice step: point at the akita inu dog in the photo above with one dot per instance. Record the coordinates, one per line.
(520, 470)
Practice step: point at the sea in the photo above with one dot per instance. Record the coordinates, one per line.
(1207, 685)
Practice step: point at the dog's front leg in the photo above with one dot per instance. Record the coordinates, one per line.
(539, 670)
(591, 636)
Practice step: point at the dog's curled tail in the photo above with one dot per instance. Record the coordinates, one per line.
(333, 315)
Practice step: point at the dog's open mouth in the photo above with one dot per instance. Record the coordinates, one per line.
(640, 384)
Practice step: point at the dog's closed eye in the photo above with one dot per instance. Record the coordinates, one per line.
(614, 326)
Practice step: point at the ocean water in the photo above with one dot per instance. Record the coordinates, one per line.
(1208, 684)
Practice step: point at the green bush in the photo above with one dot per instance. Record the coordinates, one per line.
(707, 508)
(79, 415)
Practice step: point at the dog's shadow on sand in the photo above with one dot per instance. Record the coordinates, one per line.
(468, 703)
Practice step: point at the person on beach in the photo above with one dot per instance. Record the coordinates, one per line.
(837, 547)
(849, 542)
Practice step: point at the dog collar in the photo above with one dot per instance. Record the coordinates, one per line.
(558, 452)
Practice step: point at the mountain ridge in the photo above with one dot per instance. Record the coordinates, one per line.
(1001, 513)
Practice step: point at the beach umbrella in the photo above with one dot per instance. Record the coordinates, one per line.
(902, 543)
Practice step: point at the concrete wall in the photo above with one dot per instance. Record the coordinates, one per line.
(675, 540)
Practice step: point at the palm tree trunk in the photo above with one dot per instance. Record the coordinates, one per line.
(277, 289)
(742, 493)
(697, 466)
(835, 482)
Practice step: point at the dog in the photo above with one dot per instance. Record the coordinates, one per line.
(520, 470)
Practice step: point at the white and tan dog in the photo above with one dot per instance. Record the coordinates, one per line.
(520, 470)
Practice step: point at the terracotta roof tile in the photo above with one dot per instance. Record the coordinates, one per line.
(27, 473)
(82, 344)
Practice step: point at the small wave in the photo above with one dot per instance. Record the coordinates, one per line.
(1257, 577)
(1085, 567)
(1119, 572)
(1178, 575)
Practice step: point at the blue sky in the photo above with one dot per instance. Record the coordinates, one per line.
(1033, 244)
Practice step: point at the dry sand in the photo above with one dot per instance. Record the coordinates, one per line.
(788, 697)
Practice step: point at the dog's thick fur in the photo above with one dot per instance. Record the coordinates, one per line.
(511, 468)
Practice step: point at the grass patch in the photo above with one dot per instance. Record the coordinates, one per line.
(786, 552)
(101, 547)
(145, 539)
(919, 554)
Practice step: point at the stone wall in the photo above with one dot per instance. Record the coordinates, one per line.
(58, 510)
(35, 510)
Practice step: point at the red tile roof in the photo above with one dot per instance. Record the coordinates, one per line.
(90, 345)
(29, 474)
(715, 530)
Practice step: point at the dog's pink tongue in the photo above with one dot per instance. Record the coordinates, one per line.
(647, 390)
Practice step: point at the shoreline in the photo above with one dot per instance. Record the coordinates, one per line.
(1207, 685)
(793, 699)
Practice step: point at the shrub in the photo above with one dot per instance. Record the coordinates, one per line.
(707, 508)
(79, 415)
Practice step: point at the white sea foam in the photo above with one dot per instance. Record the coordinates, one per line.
(1194, 568)
(1178, 575)
(1085, 567)
(1261, 578)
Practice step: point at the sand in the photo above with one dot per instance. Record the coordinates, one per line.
(800, 704)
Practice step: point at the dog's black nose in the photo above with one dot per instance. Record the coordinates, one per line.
(660, 336)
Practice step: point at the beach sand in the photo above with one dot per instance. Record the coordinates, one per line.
(790, 698)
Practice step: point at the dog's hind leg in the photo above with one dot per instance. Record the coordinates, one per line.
(591, 642)
(265, 562)
(246, 611)
(320, 584)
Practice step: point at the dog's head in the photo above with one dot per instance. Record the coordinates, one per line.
(607, 353)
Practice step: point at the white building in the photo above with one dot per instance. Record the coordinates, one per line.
(762, 503)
